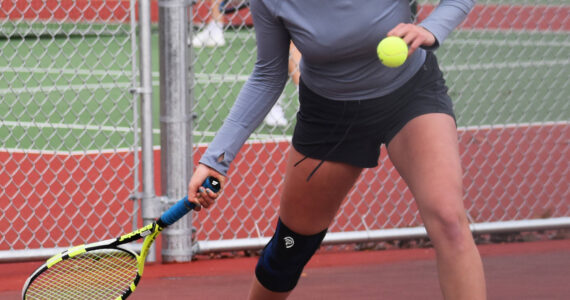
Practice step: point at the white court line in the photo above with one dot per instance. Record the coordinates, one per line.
(204, 77)
(208, 77)
(212, 78)
(32, 124)
(509, 43)
(256, 138)
(513, 125)
(506, 65)
(5, 69)
(84, 127)
(251, 35)
(511, 30)
(55, 88)
(212, 133)
(67, 126)
(201, 78)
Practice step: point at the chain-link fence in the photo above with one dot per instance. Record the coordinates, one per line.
(68, 123)
(507, 69)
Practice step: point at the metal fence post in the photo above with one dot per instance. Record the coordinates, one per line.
(175, 122)
(149, 201)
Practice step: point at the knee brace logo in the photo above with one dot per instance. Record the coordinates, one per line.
(289, 242)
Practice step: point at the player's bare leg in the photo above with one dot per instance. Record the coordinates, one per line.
(425, 153)
(309, 207)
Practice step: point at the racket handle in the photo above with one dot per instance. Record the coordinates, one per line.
(183, 206)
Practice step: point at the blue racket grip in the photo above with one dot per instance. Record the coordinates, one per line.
(183, 206)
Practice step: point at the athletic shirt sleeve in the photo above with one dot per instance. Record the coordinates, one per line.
(259, 93)
(445, 18)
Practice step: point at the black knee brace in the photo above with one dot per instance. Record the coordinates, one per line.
(283, 259)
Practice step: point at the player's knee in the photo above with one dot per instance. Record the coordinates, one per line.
(283, 259)
(450, 228)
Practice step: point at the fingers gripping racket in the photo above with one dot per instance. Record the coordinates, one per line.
(103, 270)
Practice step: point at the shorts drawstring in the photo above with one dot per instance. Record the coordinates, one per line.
(330, 134)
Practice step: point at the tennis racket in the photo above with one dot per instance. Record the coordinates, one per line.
(103, 270)
(231, 6)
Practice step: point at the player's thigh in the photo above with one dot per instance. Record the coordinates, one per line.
(425, 153)
(309, 206)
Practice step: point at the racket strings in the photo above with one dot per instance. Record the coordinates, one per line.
(101, 274)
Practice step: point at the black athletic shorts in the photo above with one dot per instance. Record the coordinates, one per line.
(353, 131)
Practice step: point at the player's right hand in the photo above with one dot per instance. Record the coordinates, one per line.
(414, 35)
(200, 195)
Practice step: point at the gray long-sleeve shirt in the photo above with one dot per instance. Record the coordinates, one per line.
(337, 40)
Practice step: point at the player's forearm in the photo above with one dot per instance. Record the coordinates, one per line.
(259, 93)
(256, 98)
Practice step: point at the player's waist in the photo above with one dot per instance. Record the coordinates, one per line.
(367, 81)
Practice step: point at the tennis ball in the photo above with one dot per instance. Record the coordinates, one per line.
(392, 51)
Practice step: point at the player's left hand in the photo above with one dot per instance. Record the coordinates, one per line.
(414, 35)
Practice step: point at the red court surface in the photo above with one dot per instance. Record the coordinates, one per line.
(532, 270)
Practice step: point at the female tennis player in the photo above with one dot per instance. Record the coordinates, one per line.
(350, 104)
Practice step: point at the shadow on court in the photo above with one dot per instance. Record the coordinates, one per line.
(532, 270)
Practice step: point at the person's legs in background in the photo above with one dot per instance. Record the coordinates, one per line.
(213, 36)
(213, 33)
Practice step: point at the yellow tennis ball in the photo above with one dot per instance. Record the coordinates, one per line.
(392, 51)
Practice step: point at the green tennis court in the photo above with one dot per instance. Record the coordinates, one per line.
(507, 70)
